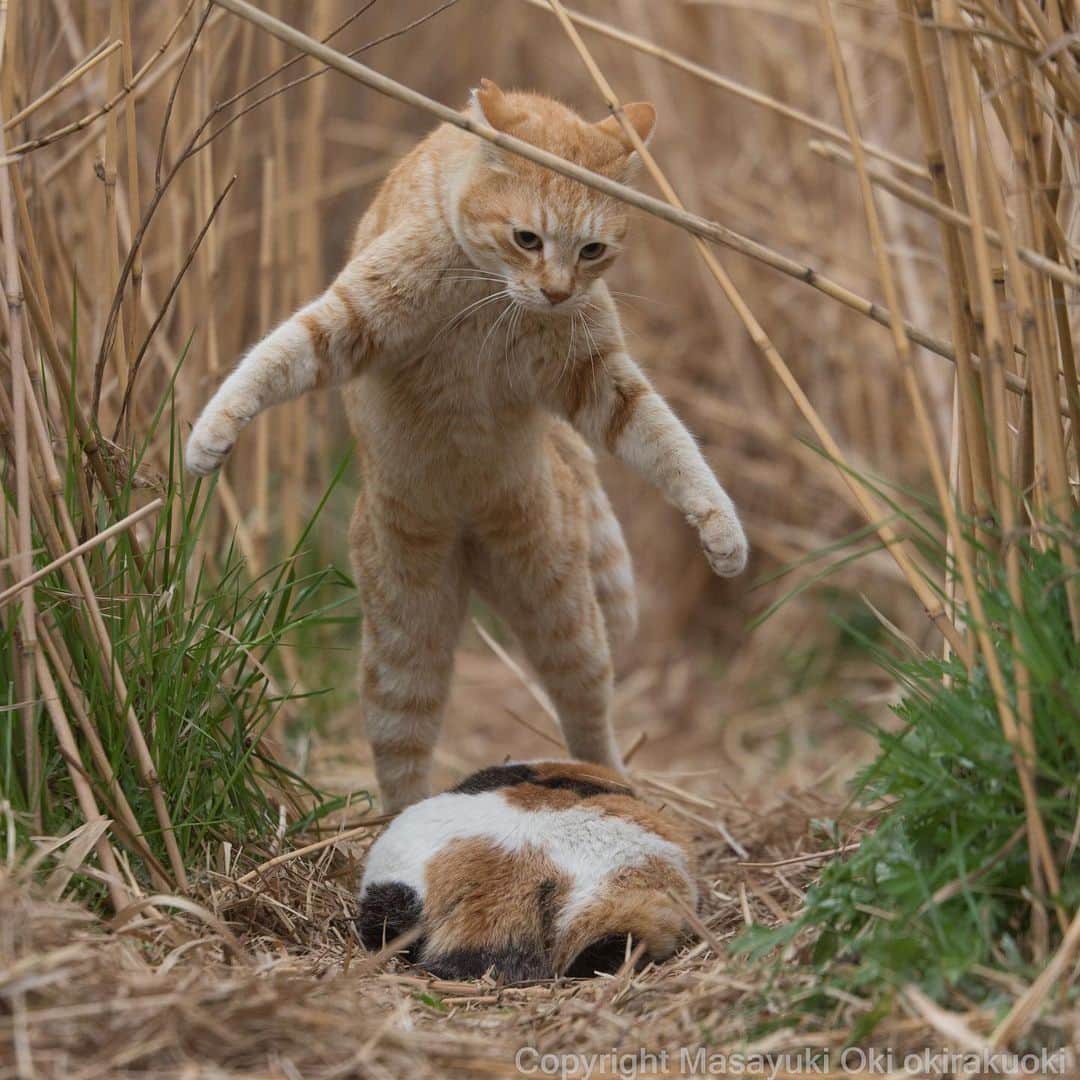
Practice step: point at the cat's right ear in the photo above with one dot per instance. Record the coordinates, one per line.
(491, 106)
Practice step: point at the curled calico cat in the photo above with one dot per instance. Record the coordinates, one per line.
(530, 871)
(483, 360)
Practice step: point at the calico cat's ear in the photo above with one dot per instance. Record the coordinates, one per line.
(494, 107)
(642, 117)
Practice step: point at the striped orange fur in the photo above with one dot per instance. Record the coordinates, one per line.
(482, 358)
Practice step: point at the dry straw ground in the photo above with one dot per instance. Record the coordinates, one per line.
(176, 172)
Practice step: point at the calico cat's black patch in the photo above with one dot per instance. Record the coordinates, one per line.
(605, 955)
(508, 965)
(499, 776)
(494, 777)
(547, 895)
(388, 910)
(584, 788)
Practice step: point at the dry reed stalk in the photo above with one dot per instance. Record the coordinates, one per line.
(37, 278)
(81, 549)
(118, 894)
(1019, 735)
(1026, 1008)
(88, 439)
(286, 240)
(262, 428)
(132, 148)
(118, 351)
(1042, 375)
(128, 825)
(972, 467)
(310, 224)
(139, 80)
(318, 845)
(23, 559)
(909, 563)
(162, 312)
(79, 71)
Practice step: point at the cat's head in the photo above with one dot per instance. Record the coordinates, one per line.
(549, 237)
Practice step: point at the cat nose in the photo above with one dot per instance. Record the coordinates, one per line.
(556, 296)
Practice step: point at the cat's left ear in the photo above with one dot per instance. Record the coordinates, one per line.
(642, 117)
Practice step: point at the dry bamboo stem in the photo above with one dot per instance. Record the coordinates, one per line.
(916, 575)
(693, 223)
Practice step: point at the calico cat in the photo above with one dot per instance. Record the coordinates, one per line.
(530, 870)
(482, 358)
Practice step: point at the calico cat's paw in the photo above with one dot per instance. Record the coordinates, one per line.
(211, 440)
(724, 542)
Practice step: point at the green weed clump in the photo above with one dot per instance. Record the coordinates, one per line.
(939, 889)
(194, 636)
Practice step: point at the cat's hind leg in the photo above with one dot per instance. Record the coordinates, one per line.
(413, 590)
(534, 571)
(611, 570)
(609, 558)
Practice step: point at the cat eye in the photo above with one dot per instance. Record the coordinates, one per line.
(593, 250)
(527, 240)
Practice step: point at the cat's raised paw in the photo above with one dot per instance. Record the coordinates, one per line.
(206, 449)
(724, 542)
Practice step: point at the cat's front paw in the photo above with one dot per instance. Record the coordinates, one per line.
(724, 542)
(211, 439)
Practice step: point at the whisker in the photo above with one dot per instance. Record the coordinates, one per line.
(510, 345)
(506, 350)
(491, 329)
(574, 316)
(468, 310)
(638, 296)
(593, 352)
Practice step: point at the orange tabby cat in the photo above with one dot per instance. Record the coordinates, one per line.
(482, 356)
